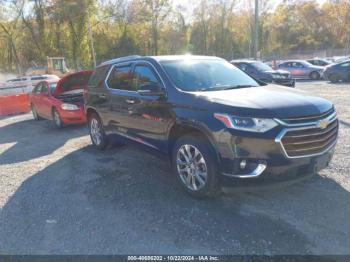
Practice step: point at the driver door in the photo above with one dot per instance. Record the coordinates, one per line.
(45, 105)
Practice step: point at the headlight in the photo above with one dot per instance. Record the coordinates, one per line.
(276, 76)
(69, 107)
(259, 125)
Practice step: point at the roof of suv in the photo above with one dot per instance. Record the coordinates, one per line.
(157, 58)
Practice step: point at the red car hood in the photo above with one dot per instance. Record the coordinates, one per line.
(73, 81)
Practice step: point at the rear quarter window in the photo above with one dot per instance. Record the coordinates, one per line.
(98, 76)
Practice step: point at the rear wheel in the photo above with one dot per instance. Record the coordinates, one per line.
(315, 76)
(194, 164)
(57, 118)
(97, 134)
(34, 112)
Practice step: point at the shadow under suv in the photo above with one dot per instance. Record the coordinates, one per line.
(218, 126)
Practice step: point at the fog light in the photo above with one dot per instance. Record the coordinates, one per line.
(243, 164)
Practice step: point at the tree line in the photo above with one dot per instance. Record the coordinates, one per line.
(31, 30)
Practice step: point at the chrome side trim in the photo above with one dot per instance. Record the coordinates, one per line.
(280, 136)
(255, 173)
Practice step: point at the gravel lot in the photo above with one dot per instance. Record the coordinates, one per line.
(58, 195)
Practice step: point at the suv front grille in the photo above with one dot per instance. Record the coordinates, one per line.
(309, 141)
(302, 120)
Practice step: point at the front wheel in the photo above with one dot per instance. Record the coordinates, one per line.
(97, 134)
(194, 164)
(57, 118)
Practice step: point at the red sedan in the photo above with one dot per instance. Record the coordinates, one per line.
(61, 101)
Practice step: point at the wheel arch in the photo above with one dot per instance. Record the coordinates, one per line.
(90, 111)
(179, 129)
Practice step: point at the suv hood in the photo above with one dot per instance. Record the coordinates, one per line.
(269, 101)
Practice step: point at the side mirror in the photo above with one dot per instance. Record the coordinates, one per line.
(151, 89)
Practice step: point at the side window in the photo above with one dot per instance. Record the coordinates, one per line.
(44, 89)
(37, 89)
(38, 78)
(143, 75)
(98, 76)
(345, 65)
(285, 65)
(121, 78)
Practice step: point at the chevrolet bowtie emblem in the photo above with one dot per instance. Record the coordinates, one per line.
(323, 124)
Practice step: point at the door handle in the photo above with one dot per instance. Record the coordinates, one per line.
(102, 96)
(130, 101)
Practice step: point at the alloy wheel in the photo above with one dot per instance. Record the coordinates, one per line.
(96, 132)
(191, 167)
(57, 118)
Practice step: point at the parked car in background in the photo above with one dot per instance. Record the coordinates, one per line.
(29, 81)
(217, 124)
(302, 69)
(261, 71)
(319, 62)
(61, 101)
(337, 72)
(340, 59)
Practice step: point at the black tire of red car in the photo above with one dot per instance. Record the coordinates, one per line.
(97, 134)
(35, 113)
(57, 118)
(315, 75)
(334, 78)
(211, 186)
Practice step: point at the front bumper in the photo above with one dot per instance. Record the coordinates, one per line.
(73, 116)
(280, 172)
(284, 82)
(266, 158)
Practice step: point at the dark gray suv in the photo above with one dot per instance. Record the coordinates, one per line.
(217, 125)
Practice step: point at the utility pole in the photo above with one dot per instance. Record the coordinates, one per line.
(256, 30)
(91, 42)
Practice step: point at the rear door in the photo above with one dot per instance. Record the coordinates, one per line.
(149, 115)
(120, 99)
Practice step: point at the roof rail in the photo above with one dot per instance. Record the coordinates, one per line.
(120, 59)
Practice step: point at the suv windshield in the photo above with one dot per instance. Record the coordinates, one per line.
(261, 66)
(206, 75)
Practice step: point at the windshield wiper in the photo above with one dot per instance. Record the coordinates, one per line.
(236, 86)
(223, 87)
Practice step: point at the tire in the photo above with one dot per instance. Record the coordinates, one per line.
(97, 134)
(57, 118)
(190, 169)
(35, 113)
(334, 78)
(315, 76)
